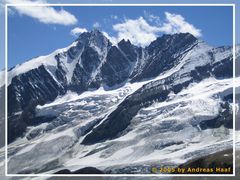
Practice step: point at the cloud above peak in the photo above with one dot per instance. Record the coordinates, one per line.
(176, 23)
(44, 14)
(77, 31)
(138, 31)
(142, 31)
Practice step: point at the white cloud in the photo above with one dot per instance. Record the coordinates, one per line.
(44, 14)
(96, 25)
(138, 31)
(141, 33)
(176, 24)
(76, 31)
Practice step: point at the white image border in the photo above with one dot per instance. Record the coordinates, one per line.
(124, 175)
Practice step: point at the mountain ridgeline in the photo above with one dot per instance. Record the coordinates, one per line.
(92, 61)
(96, 62)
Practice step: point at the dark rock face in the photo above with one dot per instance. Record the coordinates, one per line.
(18, 123)
(219, 70)
(224, 68)
(26, 92)
(162, 52)
(225, 118)
(131, 52)
(63, 171)
(36, 84)
(88, 60)
(16, 127)
(86, 170)
(79, 79)
(116, 69)
(60, 73)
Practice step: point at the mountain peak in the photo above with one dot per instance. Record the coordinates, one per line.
(96, 31)
(172, 41)
(93, 33)
(125, 42)
(94, 38)
(177, 36)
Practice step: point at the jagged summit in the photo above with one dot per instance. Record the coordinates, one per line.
(123, 41)
(97, 42)
(94, 35)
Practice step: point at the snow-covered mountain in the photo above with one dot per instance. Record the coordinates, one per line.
(123, 108)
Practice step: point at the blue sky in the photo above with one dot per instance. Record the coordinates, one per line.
(30, 36)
